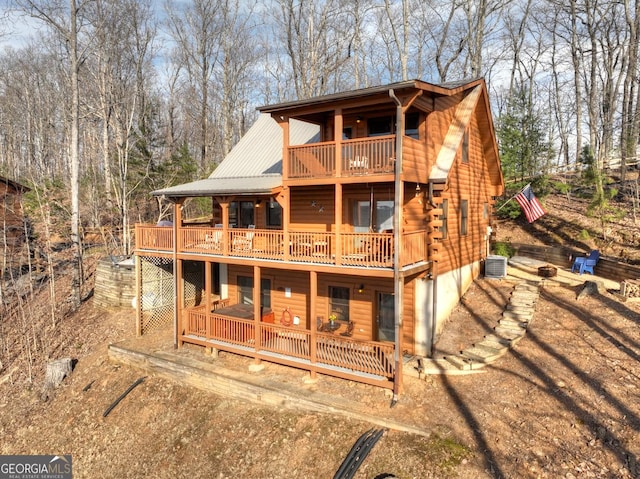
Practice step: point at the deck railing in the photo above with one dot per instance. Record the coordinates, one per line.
(356, 249)
(367, 249)
(414, 247)
(315, 160)
(331, 350)
(369, 156)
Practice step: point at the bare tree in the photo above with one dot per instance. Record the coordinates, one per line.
(66, 20)
(195, 29)
(399, 25)
(630, 124)
(315, 43)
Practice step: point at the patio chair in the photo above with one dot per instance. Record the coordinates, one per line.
(584, 264)
(214, 241)
(244, 242)
(349, 331)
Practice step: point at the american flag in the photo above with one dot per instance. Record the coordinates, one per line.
(529, 204)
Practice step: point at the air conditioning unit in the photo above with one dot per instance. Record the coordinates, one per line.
(495, 267)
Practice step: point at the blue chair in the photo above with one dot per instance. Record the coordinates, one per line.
(585, 264)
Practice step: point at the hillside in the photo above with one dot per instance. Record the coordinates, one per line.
(567, 224)
(564, 403)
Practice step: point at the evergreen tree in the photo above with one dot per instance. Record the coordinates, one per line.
(524, 150)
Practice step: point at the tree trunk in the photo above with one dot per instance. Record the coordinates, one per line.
(74, 159)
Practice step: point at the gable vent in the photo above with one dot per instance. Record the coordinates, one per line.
(495, 267)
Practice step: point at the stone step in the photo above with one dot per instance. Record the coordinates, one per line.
(442, 366)
(520, 309)
(509, 333)
(526, 294)
(499, 341)
(527, 287)
(516, 331)
(491, 347)
(516, 316)
(480, 355)
(512, 323)
(517, 300)
(459, 362)
(512, 335)
(489, 343)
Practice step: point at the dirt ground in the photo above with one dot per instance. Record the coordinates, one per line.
(563, 403)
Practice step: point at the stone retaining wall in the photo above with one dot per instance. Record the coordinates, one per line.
(115, 284)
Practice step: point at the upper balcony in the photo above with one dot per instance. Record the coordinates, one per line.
(347, 249)
(362, 156)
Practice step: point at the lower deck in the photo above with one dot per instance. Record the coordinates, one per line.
(320, 351)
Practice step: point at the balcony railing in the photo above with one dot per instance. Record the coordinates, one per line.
(347, 249)
(370, 156)
(324, 350)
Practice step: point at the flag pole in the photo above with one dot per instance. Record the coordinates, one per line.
(503, 204)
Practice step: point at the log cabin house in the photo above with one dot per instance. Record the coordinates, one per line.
(343, 230)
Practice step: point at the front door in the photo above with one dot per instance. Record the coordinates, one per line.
(386, 317)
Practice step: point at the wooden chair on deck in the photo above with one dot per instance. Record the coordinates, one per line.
(349, 332)
(244, 242)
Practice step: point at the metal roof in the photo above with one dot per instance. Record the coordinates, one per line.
(253, 166)
(224, 186)
(447, 88)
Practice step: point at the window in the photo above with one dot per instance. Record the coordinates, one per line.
(361, 216)
(247, 214)
(339, 302)
(386, 317)
(241, 215)
(347, 133)
(215, 278)
(384, 216)
(465, 146)
(245, 291)
(274, 215)
(379, 126)
(382, 220)
(464, 216)
(444, 218)
(265, 293)
(411, 124)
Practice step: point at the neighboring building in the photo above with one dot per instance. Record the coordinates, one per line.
(306, 207)
(12, 225)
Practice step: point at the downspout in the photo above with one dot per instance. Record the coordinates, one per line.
(397, 243)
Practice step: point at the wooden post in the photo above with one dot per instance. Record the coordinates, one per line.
(338, 223)
(313, 288)
(207, 292)
(257, 307)
(138, 295)
(337, 136)
(284, 199)
(178, 299)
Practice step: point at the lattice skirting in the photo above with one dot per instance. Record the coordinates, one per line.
(157, 293)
